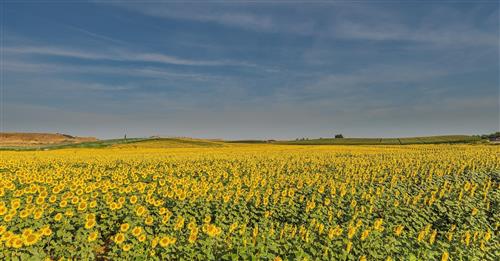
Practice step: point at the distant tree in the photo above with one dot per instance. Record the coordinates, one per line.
(495, 135)
(339, 136)
(491, 136)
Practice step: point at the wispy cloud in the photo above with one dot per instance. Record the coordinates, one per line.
(52, 68)
(234, 15)
(253, 69)
(442, 36)
(69, 87)
(96, 35)
(229, 14)
(107, 88)
(333, 20)
(117, 55)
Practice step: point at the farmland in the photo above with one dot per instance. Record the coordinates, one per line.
(25, 141)
(388, 141)
(195, 199)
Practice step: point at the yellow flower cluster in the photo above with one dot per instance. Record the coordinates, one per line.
(291, 202)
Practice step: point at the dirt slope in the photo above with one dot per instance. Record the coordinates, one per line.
(36, 139)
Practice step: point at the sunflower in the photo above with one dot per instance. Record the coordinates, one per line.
(40, 200)
(445, 256)
(3, 210)
(24, 213)
(82, 206)
(487, 236)
(16, 242)
(433, 237)
(233, 226)
(140, 210)
(191, 225)
(124, 227)
(149, 221)
(398, 230)
(68, 213)
(137, 231)
(166, 241)
(154, 242)
(58, 216)
(7, 235)
(2, 229)
(213, 230)
(255, 231)
(119, 238)
(63, 203)
(31, 239)
(365, 234)
(378, 225)
(127, 247)
(165, 219)
(90, 224)
(90, 216)
(348, 247)
(16, 203)
(52, 199)
(351, 232)
(8, 218)
(92, 236)
(193, 236)
(38, 214)
(179, 224)
(46, 231)
(27, 232)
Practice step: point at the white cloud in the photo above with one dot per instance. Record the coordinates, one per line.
(118, 55)
(152, 72)
(236, 15)
(444, 35)
(333, 20)
(96, 35)
(228, 15)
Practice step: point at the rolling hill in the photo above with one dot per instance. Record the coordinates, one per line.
(47, 141)
(16, 139)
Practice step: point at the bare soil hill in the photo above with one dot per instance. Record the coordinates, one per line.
(15, 139)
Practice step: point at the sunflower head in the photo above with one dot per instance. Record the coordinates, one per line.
(92, 236)
(124, 227)
(119, 238)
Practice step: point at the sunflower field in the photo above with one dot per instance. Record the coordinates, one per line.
(260, 201)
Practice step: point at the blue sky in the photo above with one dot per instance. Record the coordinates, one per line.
(251, 69)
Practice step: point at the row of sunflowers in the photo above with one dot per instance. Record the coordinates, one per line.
(421, 202)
